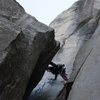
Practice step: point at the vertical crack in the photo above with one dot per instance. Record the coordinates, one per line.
(70, 84)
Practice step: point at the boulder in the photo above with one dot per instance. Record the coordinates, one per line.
(26, 48)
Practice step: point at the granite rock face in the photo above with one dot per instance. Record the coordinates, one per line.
(26, 48)
(78, 30)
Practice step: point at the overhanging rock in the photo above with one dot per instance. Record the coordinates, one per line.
(26, 48)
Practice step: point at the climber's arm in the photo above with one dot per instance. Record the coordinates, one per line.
(53, 64)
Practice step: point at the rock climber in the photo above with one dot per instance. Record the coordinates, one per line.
(57, 69)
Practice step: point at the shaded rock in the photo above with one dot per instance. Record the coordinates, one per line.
(26, 48)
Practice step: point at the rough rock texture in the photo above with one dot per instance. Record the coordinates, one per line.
(26, 48)
(78, 31)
